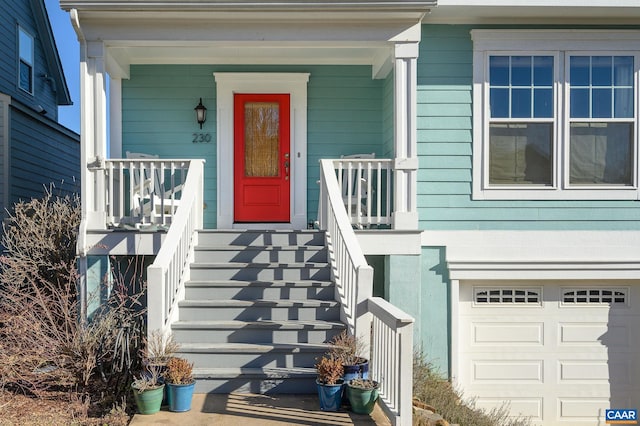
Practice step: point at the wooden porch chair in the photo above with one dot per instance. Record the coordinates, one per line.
(154, 199)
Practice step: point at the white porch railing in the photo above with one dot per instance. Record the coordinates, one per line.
(385, 329)
(392, 345)
(169, 271)
(143, 191)
(365, 185)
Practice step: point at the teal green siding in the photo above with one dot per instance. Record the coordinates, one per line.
(434, 315)
(96, 282)
(345, 116)
(402, 276)
(388, 116)
(445, 127)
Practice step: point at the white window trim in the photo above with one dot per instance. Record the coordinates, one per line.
(21, 29)
(555, 43)
(296, 85)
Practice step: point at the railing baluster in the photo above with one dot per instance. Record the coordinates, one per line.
(152, 194)
(120, 190)
(364, 183)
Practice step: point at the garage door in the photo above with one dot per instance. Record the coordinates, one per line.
(560, 352)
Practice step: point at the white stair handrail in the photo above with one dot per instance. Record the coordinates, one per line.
(170, 268)
(352, 273)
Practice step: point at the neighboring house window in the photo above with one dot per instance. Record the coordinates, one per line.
(553, 121)
(25, 63)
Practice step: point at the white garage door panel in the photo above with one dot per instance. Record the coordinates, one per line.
(594, 372)
(507, 371)
(594, 334)
(530, 407)
(583, 409)
(562, 354)
(497, 334)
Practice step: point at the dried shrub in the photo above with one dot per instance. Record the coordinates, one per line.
(430, 388)
(179, 371)
(46, 349)
(330, 370)
(38, 297)
(347, 348)
(159, 348)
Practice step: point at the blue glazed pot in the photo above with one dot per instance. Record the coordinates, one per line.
(330, 396)
(179, 396)
(357, 371)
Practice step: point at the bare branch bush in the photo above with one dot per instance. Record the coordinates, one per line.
(38, 298)
(45, 348)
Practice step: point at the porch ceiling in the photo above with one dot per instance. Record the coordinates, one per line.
(249, 38)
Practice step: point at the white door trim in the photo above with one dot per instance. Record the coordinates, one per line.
(296, 85)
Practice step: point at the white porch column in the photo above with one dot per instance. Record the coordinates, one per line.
(405, 213)
(93, 119)
(115, 117)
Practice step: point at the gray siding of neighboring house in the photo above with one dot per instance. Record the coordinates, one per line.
(43, 153)
(35, 151)
(4, 138)
(12, 14)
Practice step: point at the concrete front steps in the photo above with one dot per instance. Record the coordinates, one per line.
(257, 311)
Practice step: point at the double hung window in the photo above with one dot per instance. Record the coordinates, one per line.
(25, 60)
(552, 121)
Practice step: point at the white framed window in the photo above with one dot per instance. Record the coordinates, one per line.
(25, 60)
(555, 114)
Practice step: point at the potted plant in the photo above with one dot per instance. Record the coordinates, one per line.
(158, 349)
(349, 349)
(148, 391)
(178, 377)
(362, 395)
(330, 383)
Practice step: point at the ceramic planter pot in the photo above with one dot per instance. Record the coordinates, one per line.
(330, 396)
(149, 401)
(362, 400)
(355, 371)
(179, 396)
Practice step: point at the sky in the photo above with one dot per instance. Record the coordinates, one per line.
(69, 51)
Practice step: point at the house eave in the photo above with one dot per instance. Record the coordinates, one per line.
(413, 7)
(549, 12)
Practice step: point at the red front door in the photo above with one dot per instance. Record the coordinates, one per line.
(261, 158)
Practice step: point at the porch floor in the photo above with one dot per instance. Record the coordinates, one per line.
(263, 410)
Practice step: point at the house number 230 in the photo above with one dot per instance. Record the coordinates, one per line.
(201, 138)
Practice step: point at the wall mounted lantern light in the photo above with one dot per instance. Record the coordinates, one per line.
(201, 113)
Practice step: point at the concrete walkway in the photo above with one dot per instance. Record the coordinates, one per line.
(264, 410)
